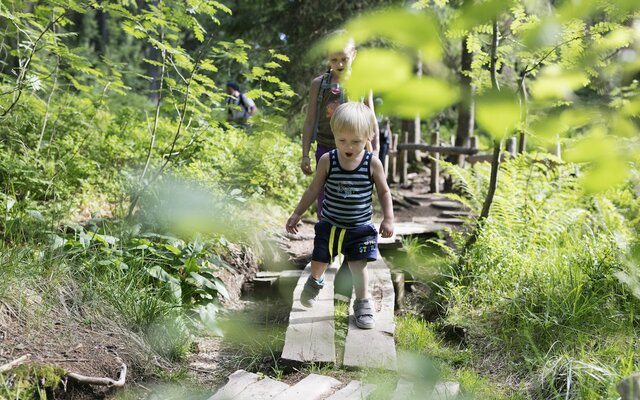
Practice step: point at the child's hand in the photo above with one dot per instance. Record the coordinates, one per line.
(305, 165)
(386, 228)
(292, 223)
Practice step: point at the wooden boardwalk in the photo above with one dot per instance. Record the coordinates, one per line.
(310, 334)
(311, 331)
(243, 385)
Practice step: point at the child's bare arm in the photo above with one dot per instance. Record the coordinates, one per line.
(310, 195)
(307, 129)
(375, 142)
(384, 197)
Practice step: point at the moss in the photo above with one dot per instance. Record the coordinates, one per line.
(30, 381)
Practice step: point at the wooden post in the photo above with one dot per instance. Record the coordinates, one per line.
(402, 156)
(435, 166)
(392, 176)
(510, 146)
(473, 143)
(558, 150)
(398, 285)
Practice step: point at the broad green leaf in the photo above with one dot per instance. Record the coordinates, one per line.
(157, 272)
(595, 146)
(498, 112)
(554, 83)
(419, 96)
(602, 176)
(418, 31)
(474, 13)
(208, 317)
(607, 162)
(559, 124)
(379, 70)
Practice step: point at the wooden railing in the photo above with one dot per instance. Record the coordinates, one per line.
(396, 164)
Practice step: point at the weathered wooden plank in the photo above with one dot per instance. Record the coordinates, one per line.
(312, 387)
(310, 334)
(355, 390)
(238, 381)
(447, 204)
(454, 214)
(360, 342)
(420, 226)
(264, 389)
(404, 390)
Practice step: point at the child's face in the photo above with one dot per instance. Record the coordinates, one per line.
(350, 144)
(340, 61)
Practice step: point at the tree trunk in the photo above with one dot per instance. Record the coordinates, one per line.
(466, 117)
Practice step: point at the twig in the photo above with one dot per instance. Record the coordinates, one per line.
(92, 380)
(14, 363)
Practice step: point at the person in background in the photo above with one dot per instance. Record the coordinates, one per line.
(239, 107)
(384, 127)
(348, 175)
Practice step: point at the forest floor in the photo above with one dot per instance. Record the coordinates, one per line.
(78, 344)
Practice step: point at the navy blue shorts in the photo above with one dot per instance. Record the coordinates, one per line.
(359, 243)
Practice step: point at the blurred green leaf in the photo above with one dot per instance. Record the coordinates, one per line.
(607, 162)
(554, 83)
(498, 112)
(379, 70)
(418, 31)
(475, 13)
(419, 96)
(559, 124)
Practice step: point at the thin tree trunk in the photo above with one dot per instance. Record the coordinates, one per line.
(466, 114)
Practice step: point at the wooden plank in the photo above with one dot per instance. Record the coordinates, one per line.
(312, 387)
(404, 390)
(355, 390)
(238, 381)
(454, 213)
(360, 342)
(264, 389)
(447, 204)
(431, 148)
(311, 331)
(419, 226)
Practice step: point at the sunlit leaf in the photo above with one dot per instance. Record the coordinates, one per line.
(607, 165)
(498, 112)
(418, 31)
(559, 124)
(602, 176)
(554, 83)
(419, 96)
(475, 13)
(379, 70)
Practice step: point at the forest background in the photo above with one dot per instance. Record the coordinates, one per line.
(125, 192)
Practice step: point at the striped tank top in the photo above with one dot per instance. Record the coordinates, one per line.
(347, 202)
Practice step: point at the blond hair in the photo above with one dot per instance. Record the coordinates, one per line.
(338, 40)
(354, 117)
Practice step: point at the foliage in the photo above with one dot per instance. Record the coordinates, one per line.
(32, 381)
(539, 309)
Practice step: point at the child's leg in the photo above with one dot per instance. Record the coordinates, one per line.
(314, 284)
(360, 275)
(362, 305)
(317, 269)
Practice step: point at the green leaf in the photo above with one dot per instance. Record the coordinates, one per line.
(424, 96)
(498, 112)
(379, 70)
(475, 13)
(418, 31)
(554, 83)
